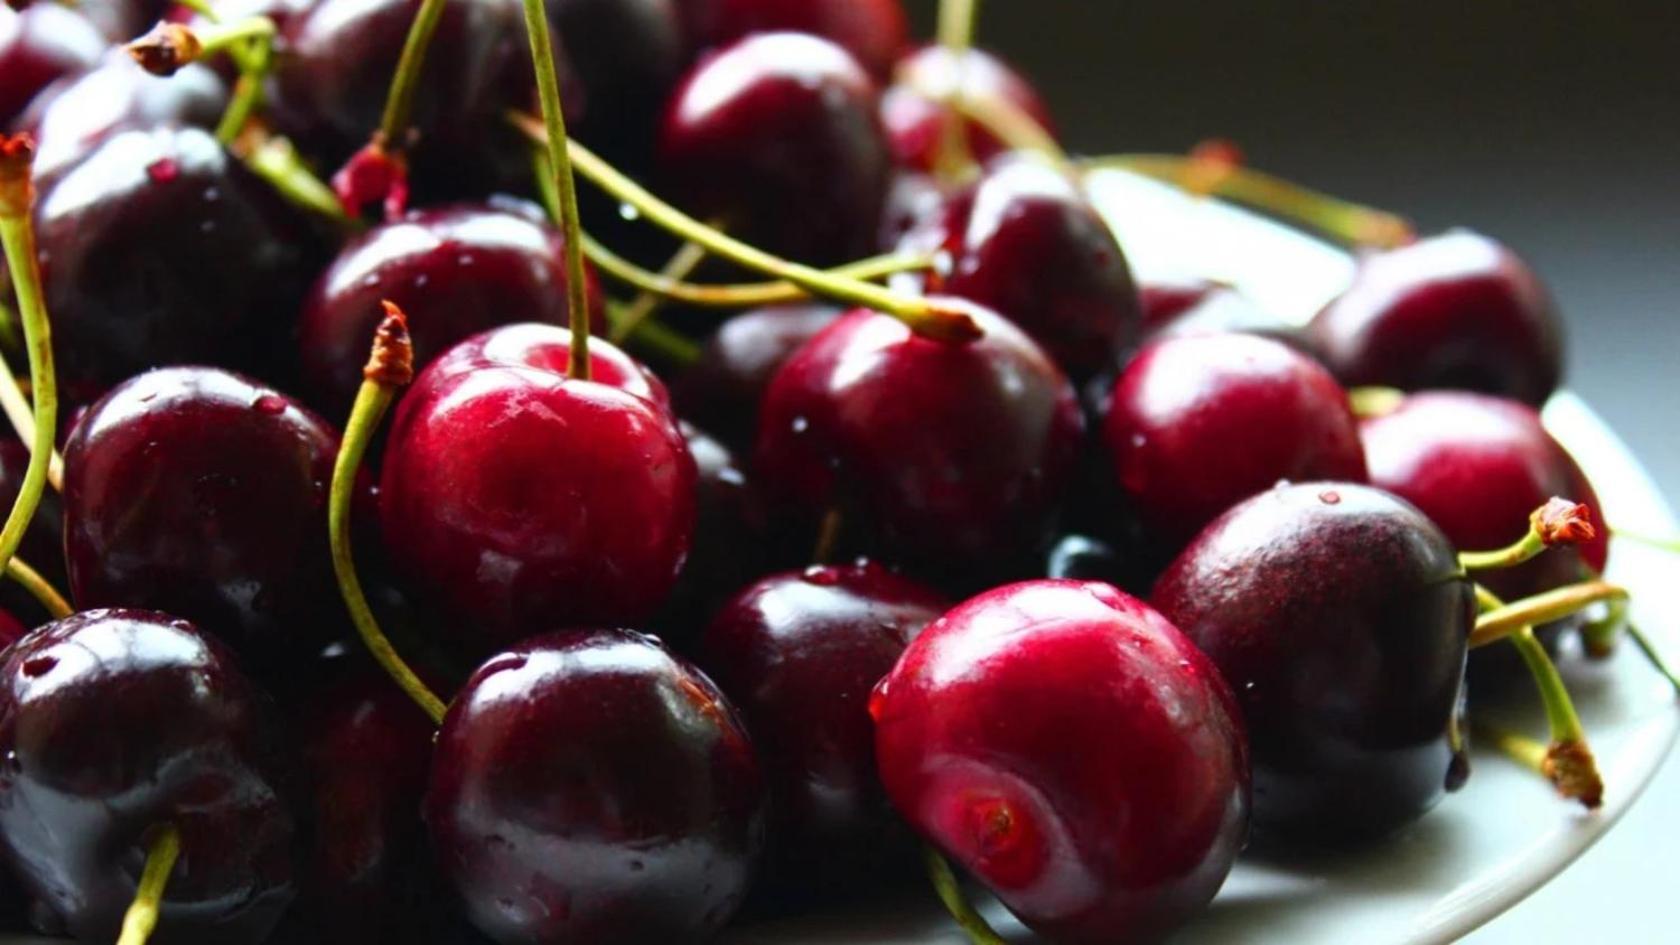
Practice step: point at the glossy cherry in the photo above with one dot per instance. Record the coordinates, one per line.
(546, 347)
(947, 458)
(589, 787)
(1196, 424)
(776, 137)
(1340, 617)
(124, 234)
(915, 118)
(115, 722)
(876, 32)
(1065, 744)
(205, 492)
(39, 46)
(1024, 242)
(515, 496)
(1457, 310)
(721, 391)
(799, 653)
(454, 270)
(1171, 310)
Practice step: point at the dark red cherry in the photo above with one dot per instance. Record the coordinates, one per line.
(1340, 617)
(951, 458)
(1024, 242)
(1066, 745)
(454, 270)
(799, 653)
(1198, 423)
(516, 496)
(721, 391)
(11, 631)
(589, 787)
(39, 46)
(124, 236)
(1161, 302)
(1216, 309)
(548, 348)
(116, 722)
(776, 138)
(915, 119)
(205, 492)
(874, 31)
(626, 57)
(1457, 310)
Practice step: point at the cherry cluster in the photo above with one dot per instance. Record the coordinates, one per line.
(947, 541)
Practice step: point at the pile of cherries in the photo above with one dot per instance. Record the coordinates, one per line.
(947, 536)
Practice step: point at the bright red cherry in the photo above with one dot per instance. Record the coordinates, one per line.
(1024, 242)
(915, 118)
(454, 270)
(1198, 423)
(874, 31)
(1340, 617)
(1457, 310)
(799, 652)
(39, 46)
(205, 492)
(515, 496)
(546, 347)
(776, 138)
(949, 458)
(1065, 744)
(588, 787)
(721, 391)
(116, 722)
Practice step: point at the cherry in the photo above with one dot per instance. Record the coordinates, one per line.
(588, 786)
(914, 114)
(1024, 242)
(1457, 310)
(1162, 301)
(1070, 748)
(513, 494)
(951, 458)
(119, 723)
(549, 348)
(1207, 308)
(874, 31)
(626, 56)
(776, 136)
(799, 653)
(1340, 616)
(123, 237)
(455, 270)
(11, 631)
(1197, 423)
(205, 492)
(723, 388)
(38, 46)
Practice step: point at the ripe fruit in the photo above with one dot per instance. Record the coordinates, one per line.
(118, 95)
(39, 46)
(721, 391)
(874, 31)
(913, 114)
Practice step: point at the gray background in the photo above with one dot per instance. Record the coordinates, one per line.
(1554, 126)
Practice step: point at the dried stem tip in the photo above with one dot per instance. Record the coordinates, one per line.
(1569, 765)
(1211, 163)
(1562, 522)
(17, 156)
(166, 49)
(392, 362)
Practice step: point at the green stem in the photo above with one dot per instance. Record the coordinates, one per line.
(1373, 401)
(1655, 658)
(1668, 543)
(233, 36)
(277, 161)
(39, 588)
(1012, 125)
(956, 33)
(973, 924)
(15, 404)
(254, 63)
(679, 267)
(17, 198)
(142, 916)
(399, 101)
(1542, 608)
(1529, 546)
(665, 342)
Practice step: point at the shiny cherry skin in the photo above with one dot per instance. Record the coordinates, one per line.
(776, 137)
(1024, 242)
(721, 391)
(915, 119)
(1457, 310)
(876, 32)
(205, 492)
(1340, 617)
(546, 347)
(114, 722)
(1062, 742)
(38, 46)
(123, 236)
(454, 270)
(948, 459)
(589, 787)
(799, 653)
(1198, 423)
(513, 494)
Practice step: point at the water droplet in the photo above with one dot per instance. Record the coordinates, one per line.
(271, 404)
(212, 194)
(801, 424)
(163, 170)
(821, 575)
(1330, 497)
(629, 212)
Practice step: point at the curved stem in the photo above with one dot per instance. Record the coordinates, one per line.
(1542, 608)
(973, 924)
(21, 413)
(1670, 543)
(679, 267)
(1557, 522)
(17, 199)
(169, 47)
(828, 536)
(560, 165)
(39, 588)
(142, 916)
(956, 33)
(247, 90)
(1655, 658)
(669, 344)
(944, 322)
(276, 160)
(399, 101)
(1016, 128)
(390, 367)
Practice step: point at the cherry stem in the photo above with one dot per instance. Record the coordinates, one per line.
(1655, 658)
(973, 924)
(1558, 522)
(247, 90)
(1012, 125)
(1368, 402)
(1669, 543)
(142, 917)
(1341, 220)
(560, 167)
(170, 47)
(389, 367)
(956, 33)
(924, 316)
(828, 536)
(17, 231)
(399, 101)
(667, 343)
(1502, 620)
(277, 161)
(21, 413)
(680, 266)
(39, 588)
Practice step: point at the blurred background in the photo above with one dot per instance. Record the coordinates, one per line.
(1553, 126)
